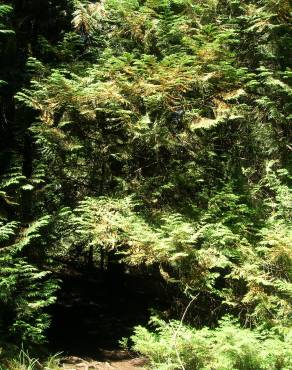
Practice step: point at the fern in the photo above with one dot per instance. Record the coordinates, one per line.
(173, 346)
(25, 289)
(5, 11)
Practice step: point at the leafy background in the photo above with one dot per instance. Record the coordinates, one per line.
(158, 131)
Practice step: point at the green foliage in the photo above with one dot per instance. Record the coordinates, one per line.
(222, 245)
(5, 11)
(25, 362)
(25, 292)
(25, 289)
(161, 134)
(171, 147)
(176, 346)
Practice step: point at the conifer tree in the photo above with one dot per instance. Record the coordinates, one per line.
(159, 131)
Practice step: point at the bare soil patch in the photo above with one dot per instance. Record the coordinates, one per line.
(119, 360)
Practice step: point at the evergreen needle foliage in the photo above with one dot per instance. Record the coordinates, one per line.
(156, 133)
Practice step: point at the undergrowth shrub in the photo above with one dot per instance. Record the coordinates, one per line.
(24, 361)
(174, 345)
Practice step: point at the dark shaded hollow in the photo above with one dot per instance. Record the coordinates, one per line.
(95, 309)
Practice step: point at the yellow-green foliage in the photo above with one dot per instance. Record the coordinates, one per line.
(25, 362)
(170, 141)
(174, 346)
(25, 289)
(159, 131)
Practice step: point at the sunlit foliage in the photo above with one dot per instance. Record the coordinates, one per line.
(161, 133)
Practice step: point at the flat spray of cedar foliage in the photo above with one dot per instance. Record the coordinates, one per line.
(157, 131)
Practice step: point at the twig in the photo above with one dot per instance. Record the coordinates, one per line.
(178, 329)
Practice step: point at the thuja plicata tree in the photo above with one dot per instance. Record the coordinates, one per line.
(158, 131)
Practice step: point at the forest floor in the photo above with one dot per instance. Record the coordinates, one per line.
(121, 360)
(93, 313)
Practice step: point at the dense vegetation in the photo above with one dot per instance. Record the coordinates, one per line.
(155, 133)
